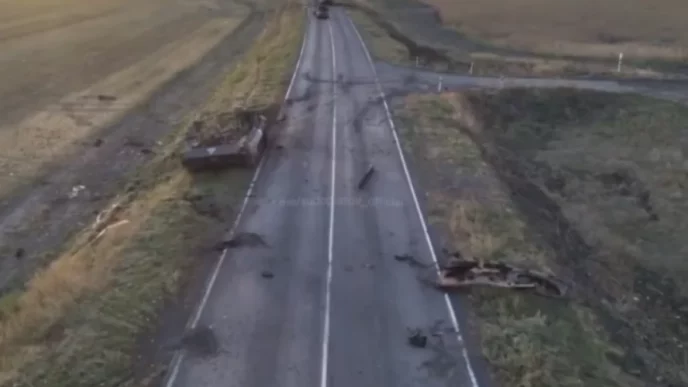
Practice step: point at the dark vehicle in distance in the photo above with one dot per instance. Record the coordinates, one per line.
(321, 12)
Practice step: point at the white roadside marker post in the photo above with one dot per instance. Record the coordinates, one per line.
(618, 67)
(439, 85)
(470, 70)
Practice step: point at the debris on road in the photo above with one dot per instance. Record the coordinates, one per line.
(105, 97)
(411, 260)
(417, 339)
(200, 341)
(75, 191)
(98, 142)
(366, 177)
(133, 142)
(19, 254)
(244, 239)
(461, 274)
(267, 274)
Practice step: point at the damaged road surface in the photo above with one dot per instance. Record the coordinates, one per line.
(374, 305)
(460, 275)
(320, 303)
(265, 307)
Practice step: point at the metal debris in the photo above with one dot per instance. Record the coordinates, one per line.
(417, 339)
(75, 191)
(105, 215)
(411, 260)
(245, 239)
(366, 177)
(105, 97)
(461, 274)
(200, 341)
(110, 227)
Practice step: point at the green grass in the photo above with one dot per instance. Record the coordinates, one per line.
(589, 186)
(79, 321)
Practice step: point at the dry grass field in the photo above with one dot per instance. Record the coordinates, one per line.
(596, 28)
(87, 316)
(586, 185)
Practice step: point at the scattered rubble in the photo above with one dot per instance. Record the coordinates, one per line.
(200, 341)
(417, 339)
(75, 191)
(110, 227)
(106, 215)
(411, 260)
(366, 177)
(244, 239)
(133, 142)
(461, 274)
(105, 97)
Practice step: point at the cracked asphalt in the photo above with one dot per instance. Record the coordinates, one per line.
(337, 308)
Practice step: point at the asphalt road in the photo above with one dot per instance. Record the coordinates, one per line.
(339, 307)
(398, 80)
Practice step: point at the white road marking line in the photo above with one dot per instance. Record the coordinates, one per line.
(298, 61)
(330, 239)
(447, 300)
(179, 356)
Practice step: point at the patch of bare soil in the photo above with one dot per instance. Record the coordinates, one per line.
(590, 187)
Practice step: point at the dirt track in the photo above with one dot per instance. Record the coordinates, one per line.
(87, 89)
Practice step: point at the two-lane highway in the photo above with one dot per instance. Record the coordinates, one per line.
(339, 308)
(376, 300)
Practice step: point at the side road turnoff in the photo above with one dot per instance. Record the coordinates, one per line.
(322, 302)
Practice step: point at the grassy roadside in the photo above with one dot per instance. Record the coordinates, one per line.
(588, 186)
(77, 322)
(388, 42)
